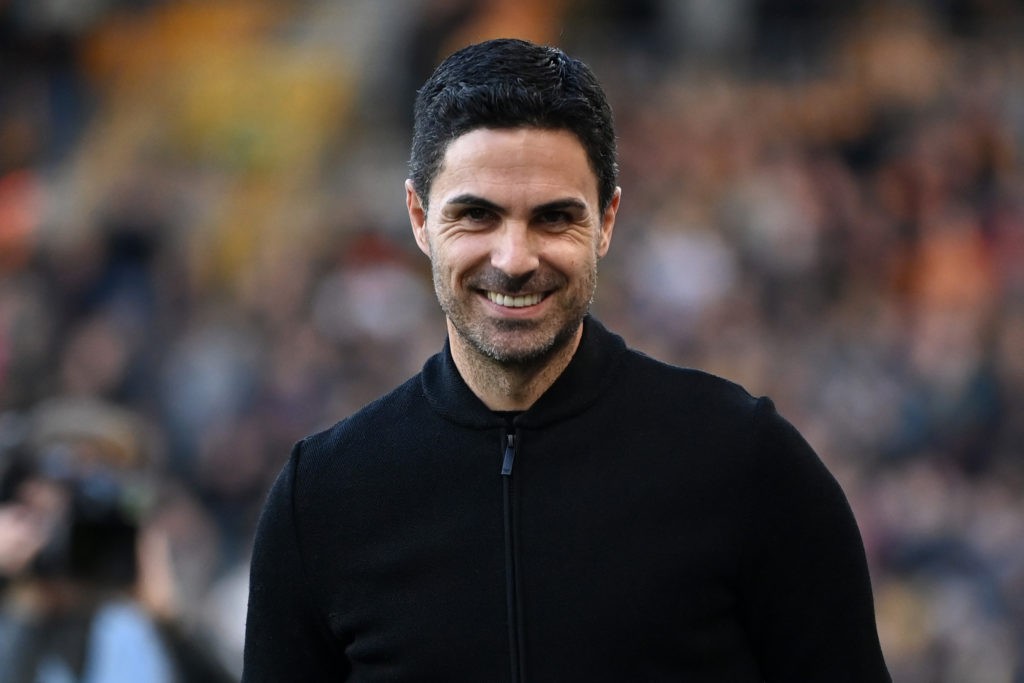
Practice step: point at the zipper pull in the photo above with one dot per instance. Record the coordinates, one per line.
(510, 455)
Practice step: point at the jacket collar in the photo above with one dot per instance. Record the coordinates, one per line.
(582, 382)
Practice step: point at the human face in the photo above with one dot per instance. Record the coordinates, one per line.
(514, 232)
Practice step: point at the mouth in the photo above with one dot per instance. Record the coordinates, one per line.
(516, 301)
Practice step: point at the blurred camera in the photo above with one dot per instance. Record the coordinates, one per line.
(79, 468)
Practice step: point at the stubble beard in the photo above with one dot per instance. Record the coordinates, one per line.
(498, 342)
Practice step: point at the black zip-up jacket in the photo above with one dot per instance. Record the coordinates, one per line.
(640, 522)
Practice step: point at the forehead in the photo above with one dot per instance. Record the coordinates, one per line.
(531, 163)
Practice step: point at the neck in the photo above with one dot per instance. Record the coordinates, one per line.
(510, 386)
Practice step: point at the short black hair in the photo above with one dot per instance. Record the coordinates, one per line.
(511, 83)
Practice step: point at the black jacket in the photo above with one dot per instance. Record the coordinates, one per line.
(640, 522)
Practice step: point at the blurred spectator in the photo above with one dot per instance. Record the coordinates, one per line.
(70, 521)
(80, 477)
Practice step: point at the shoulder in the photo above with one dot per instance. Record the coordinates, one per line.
(370, 423)
(724, 418)
(367, 443)
(654, 381)
(717, 418)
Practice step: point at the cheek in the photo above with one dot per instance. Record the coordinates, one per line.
(576, 260)
(458, 255)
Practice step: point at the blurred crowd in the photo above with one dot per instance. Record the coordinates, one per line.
(204, 256)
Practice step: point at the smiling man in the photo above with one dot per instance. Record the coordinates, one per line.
(541, 502)
(514, 239)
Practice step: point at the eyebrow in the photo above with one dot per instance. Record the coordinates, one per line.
(561, 205)
(556, 205)
(473, 200)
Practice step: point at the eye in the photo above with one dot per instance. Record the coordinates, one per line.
(477, 214)
(553, 218)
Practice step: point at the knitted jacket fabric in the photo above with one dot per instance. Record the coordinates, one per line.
(640, 522)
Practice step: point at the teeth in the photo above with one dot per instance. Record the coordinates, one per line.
(515, 301)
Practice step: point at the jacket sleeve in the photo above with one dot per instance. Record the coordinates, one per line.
(810, 608)
(287, 637)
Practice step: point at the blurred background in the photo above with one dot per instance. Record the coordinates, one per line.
(204, 256)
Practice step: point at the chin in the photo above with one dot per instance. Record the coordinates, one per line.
(519, 352)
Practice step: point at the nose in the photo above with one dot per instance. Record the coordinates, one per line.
(515, 250)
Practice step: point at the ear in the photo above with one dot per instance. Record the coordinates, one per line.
(417, 217)
(608, 224)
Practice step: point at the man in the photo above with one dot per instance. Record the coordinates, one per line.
(542, 503)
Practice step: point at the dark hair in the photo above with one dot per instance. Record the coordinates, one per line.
(509, 83)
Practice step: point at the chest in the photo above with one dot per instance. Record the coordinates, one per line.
(588, 543)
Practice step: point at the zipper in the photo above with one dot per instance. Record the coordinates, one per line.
(511, 596)
(510, 455)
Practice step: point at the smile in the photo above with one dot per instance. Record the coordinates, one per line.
(520, 301)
